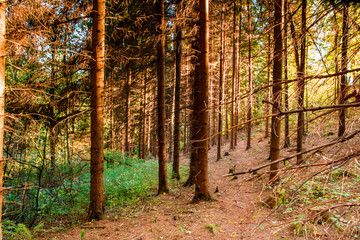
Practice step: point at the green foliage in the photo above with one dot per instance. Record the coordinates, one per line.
(13, 231)
(126, 180)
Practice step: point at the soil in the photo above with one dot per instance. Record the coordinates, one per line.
(237, 213)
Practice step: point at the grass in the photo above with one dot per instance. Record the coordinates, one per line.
(126, 181)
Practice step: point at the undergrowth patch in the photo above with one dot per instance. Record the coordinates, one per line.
(126, 180)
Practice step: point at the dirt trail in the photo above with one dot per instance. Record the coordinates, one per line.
(237, 213)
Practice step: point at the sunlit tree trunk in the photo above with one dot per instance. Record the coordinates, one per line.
(2, 105)
(170, 117)
(250, 87)
(336, 59)
(233, 86)
(200, 97)
(97, 204)
(239, 67)
(267, 108)
(143, 121)
(163, 183)
(344, 62)
(286, 100)
(277, 76)
(301, 85)
(178, 52)
(221, 83)
(127, 103)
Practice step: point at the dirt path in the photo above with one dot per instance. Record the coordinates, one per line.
(237, 213)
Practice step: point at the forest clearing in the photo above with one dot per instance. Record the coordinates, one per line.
(207, 119)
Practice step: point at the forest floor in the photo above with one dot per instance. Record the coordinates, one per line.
(237, 213)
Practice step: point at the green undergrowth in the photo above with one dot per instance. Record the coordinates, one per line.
(127, 180)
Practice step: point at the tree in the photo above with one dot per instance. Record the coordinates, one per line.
(301, 84)
(2, 91)
(163, 184)
(221, 85)
(200, 104)
(233, 85)
(97, 201)
(286, 90)
(344, 62)
(178, 52)
(250, 87)
(276, 92)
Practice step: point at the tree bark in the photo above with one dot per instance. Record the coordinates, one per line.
(178, 49)
(143, 121)
(163, 183)
(277, 76)
(267, 108)
(301, 85)
(200, 97)
(221, 80)
(238, 78)
(344, 62)
(250, 87)
(286, 92)
(2, 96)
(127, 103)
(97, 204)
(233, 86)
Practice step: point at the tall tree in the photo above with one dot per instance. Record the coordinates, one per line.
(276, 92)
(286, 92)
(250, 87)
(2, 91)
(267, 108)
(127, 106)
(178, 52)
(301, 84)
(97, 203)
(234, 74)
(344, 62)
(200, 111)
(163, 183)
(221, 85)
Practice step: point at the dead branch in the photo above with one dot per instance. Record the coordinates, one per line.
(342, 139)
(339, 106)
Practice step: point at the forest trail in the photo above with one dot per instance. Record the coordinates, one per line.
(237, 212)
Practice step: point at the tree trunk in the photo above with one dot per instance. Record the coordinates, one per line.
(200, 97)
(127, 103)
(267, 107)
(221, 83)
(344, 62)
(336, 37)
(286, 130)
(171, 111)
(143, 121)
(178, 49)
(277, 76)
(238, 78)
(301, 85)
(163, 183)
(249, 105)
(233, 86)
(2, 95)
(97, 204)
(52, 138)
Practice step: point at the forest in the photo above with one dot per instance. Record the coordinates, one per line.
(208, 119)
